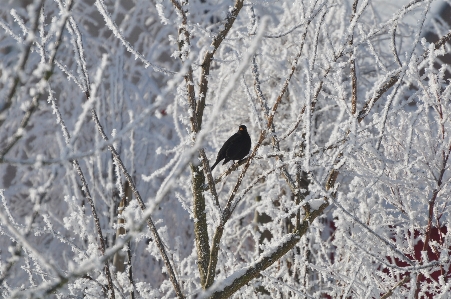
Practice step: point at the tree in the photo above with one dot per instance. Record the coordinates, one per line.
(112, 112)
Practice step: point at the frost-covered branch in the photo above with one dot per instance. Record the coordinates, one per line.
(150, 222)
(352, 65)
(19, 69)
(232, 15)
(393, 77)
(117, 33)
(227, 287)
(45, 71)
(301, 75)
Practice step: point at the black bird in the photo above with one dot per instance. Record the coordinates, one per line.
(235, 148)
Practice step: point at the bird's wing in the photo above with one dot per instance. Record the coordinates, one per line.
(224, 149)
(237, 148)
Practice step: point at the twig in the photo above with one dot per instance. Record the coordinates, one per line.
(150, 223)
(117, 33)
(88, 196)
(389, 293)
(211, 182)
(197, 176)
(217, 40)
(352, 64)
(32, 249)
(393, 44)
(393, 78)
(16, 251)
(333, 174)
(231, 284)
(229, 206)
(22, 61)
(49, 66)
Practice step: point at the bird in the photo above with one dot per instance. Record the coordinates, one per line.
(235, 148)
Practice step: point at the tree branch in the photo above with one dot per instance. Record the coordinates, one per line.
(150, 223)
(393, 78)
(22, 61)
(389, 293)
(48, 67)
(352, 64)
(197, 175)
(234, 282)
(217, 40)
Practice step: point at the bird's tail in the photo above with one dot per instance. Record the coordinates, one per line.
(214, 165)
